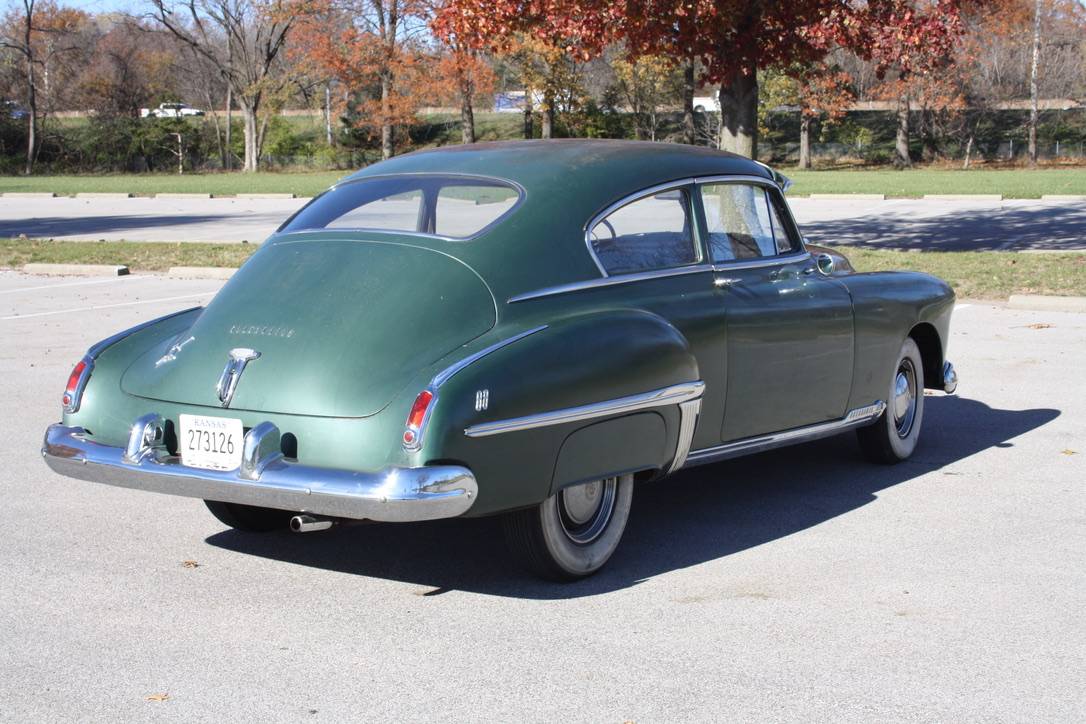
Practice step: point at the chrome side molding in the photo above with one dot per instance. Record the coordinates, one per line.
(855, 418)
(673, 395)
(688, 421)
(442, 377)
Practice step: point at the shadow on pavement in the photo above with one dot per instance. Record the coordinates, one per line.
(60, 226)
(1049, 227)
(696, 516)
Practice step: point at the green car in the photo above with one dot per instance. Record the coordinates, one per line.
(526, 329)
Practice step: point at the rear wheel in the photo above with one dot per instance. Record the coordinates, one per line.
(573, 533)
(249, 518)
(893, 437)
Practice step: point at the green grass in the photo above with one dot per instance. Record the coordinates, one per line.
(1017, 183)
(1012, 183)
(974, 275)
(984, 274)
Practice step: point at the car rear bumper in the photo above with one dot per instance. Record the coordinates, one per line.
(265, 478)
(950, 378)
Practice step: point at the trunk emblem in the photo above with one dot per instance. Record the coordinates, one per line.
(228, 382)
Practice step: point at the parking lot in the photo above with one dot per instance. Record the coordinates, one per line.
(802, 584)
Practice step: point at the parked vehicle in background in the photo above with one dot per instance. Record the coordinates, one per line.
(527, 329)
(710, 103)
(13, 110)
(170, 110)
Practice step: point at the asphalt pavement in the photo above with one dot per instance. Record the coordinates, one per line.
(796, 585)
(947, 225)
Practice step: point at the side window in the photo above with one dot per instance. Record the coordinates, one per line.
(654, 232)
(393, 212)
(786, 241)
(743, 222)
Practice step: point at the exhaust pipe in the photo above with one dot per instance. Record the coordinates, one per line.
(310, 524)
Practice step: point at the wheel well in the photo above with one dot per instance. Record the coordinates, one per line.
(931, 353)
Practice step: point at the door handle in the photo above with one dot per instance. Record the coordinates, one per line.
(809, 270)
(721, 282)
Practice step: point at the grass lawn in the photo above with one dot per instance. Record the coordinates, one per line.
(218, 184)
(974, 275)
(1015, 183)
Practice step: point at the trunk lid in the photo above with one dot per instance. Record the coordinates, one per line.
(340, 326)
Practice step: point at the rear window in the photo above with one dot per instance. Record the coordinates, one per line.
(454, 207)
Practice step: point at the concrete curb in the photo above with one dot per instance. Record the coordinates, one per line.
(102, 195)
(264, 196)
(29, 195)
(1063, 197)
(849, 197)
(78, 270)
(1043, 303)
(963, 197)
(201, 272)
(182, 196)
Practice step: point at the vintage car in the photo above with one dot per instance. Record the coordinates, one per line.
(526, 329)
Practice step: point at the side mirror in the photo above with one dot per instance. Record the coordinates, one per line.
(825, 264)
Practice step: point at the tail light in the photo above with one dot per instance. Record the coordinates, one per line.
(416, 420)
(77, 382)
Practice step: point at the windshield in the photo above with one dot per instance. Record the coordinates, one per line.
(454, 207)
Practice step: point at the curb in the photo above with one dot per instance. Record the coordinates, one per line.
(849, 197)
(29, 195)
(1063, 197)
(1042, 303)
(78, 270)
(201, 272)
(264, 196)
(182, 196)
(102, 195)
(963, 197)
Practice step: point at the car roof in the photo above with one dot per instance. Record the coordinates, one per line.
(566, 182)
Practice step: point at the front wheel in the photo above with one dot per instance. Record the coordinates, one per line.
(573, 533)
(893, 437)
(249, 518)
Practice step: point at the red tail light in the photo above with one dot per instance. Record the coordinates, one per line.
(416, 420)
(77, 382)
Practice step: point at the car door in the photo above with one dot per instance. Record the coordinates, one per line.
(788, 328)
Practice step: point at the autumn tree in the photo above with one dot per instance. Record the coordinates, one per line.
(244, 41)
(463, 75)
(39, 33)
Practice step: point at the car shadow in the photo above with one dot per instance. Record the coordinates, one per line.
(695, 516)
(61, 226)
(1051, 228)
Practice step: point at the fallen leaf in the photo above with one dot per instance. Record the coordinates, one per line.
(158, 697)
(189, 564)
(1040, 325)
(1069, 452)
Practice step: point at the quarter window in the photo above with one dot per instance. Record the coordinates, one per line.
(653, 232)
(744, 222)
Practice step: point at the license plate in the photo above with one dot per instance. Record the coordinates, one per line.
(211, 443)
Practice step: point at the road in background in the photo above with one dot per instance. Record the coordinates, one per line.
(893, 224)
(794, 585)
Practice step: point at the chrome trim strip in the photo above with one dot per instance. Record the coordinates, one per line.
(855, 418)
(689, 412)
(442, 377)
(266, 479)
(99, 347)
(762, 262)
(672, 395)
(735, 178)
(608, 282)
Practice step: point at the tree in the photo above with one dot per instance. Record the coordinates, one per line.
(1035, 59)
(463, 75)
(646, 83)
(38, 32)
(243, 40)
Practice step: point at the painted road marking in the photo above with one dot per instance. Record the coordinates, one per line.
(107, 306)
(69, 284)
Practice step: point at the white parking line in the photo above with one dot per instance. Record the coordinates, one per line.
(68, 284)
(106, 306)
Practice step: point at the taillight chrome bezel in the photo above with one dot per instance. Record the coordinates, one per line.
(73, 394)
(413, 432)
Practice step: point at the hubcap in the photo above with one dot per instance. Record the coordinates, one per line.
(585, 510)
(904, 398)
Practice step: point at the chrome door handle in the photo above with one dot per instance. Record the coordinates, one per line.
(721, 282)
(809, 270)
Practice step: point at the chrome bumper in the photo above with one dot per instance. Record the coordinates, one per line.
(950, 378)
(264, 479)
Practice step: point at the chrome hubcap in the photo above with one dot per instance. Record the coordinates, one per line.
(585, 510)
(905, 398)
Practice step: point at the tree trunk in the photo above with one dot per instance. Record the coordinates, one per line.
(739, 113)
(252, 155)
(228, 157)
(387, 137)
(968, 152)
(1033, 83)
(328, 113)
(529, 131)
(31, 96)
(467, 113)
(804, 139)
(690, 131)
(547, 131)
(902, 159)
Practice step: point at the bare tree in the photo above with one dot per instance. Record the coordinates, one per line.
(1034, 62)
(243, 40)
